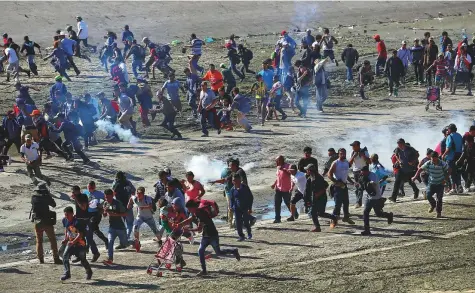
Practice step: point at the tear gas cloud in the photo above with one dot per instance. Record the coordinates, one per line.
(305, 13)
(382, 139)
(124, 135)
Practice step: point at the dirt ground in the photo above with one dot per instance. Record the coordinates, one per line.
(418, 253)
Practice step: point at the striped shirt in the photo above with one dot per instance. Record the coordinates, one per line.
(436, 173)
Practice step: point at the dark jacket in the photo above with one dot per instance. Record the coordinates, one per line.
(430, 54)
(69, 130)
(350, 56)
(12, 127)
(315, 186)
(241, 199)
(306, 57)
(394, 67)
(417, 54)
(40, 206)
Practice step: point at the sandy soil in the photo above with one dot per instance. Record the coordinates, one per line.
(397, 261)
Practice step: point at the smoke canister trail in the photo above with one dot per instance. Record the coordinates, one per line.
(207, 170)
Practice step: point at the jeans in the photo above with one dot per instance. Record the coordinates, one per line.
(401, 177)
(245, 68)
(358, 191)
(149, 221)
(377, 206)
(278, 107)
(32, 64)
(380, 63)
(214, 242)
(126, 48)
(341, 198)
(169, 123)
(94, 227)
(242, 120)
(192, 104)
(77, 148)
(114, 233)
(80, 252)
(208, 116)
(318, 210)
(242, 218)
(136, 64)
(71, 62)
(278, 197)
(302, 94)
(194, 62)
(129, 222)
(418, 72)
(235, 70)
(455, 175)
(90, 241)
(49, 230)
(438, 190)
(322, 94)
(34, 172)
(349, 73)
(393, 80)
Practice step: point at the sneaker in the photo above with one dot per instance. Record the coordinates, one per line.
(240, 239)
(42, 260)
(416, 194)
(290, 219)
(439, 215)
(452, 191)
(316, 230)
(431, 209)
(333, 223)
(296, 216)
(76, 260)
(89, 275)
(390, 94)
(160, 243)
(276, 221)
(460, 189)
(107, 262)
(348, 220)
(390, 218)
(182, 263)
(284, 117)
(219, 131)
(204, 135)
(201, 274)
(237, 255)
(424, 194)
(366, 233)
(249, 236)
(95, 257)
(65, 276)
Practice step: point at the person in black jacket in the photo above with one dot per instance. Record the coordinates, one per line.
(30, 46)
(316, 196)
(417, 52)
(306, 56)
(44, 220)
(241, 204)
(350, 57)
(430, 55)
(394, 70)
(246, 57)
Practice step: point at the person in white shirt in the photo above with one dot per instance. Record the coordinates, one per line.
(13, 64)
(30, 154)
(299, 180)
(83, 33)
(359, 159)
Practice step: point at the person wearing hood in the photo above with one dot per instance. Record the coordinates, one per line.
(405, 55)
(71, 135)
(29, 47)
(321, 82)
(44, 220)
(350, 57)
(394, 71)
(462, 66)
(430, 55)
(382, 54)
(417, 57)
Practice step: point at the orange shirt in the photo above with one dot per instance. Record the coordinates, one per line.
(215, 78)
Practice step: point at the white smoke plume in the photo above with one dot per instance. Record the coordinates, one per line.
(207, 170)
(124, 135)
(382, 139)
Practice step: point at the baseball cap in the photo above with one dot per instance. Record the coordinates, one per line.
(35, 113)
(310, 167)
(28, 137)
(283, 32)
(355, 143)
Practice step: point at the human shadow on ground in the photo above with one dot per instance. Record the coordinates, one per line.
(14, 271)
(258, 276)
(141, 286)
(282, 229)
(434, 218)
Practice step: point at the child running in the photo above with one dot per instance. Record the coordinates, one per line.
(277, 92)
(259, 89)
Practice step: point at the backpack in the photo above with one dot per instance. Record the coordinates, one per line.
(328, 42)
(163, 51)
(249, 54)
(210, 206)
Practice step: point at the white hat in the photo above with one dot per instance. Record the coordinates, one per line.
(285, 43)
(403, 42)
(315, 44)
(62, 33)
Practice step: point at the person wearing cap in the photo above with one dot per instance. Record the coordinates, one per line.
(321, 81)
(283, 187)
(299, 180)
(451, 154)
(365, 77)
(338, 175)
(286, 38)
(359, 158)
(30, 154)
(463, 63)
(70, 47)
(417, 56)
(44, 220)
(441, 70)
(206, 107)
(369, 183)
(430, 55)
(438, 172)
(241, 203)
(127, 38)
(228, 78)
(144, 204)
(234, 60)
(332, 156)
(394, 70)
(406, 158)
(405, 55)
(307, 159)
(70, 137)
(382, 54)
(350, 57)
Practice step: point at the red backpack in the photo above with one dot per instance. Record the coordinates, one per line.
(210, 206)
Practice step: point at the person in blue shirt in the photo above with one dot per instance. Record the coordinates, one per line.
(69, 46)
(172, 86)
(243, 105)
(96, 200)
(241, 204)
(378, 169)
(127, 38)
(192, 87)
(267, 74)
(138, 56)
(453, 151)
(70, 132)
(60, 61)
(57, 92)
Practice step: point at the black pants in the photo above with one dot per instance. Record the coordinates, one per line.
(71, 62)
(377, 206)
(242, 219)
(469, 177)
(49, 146)
(438, 190)
(79, 252)
(15, 141)
(393, 80)
(418, 72)
(430, 77)
(340, 195)
(401, 177)
(318, 210)
(278, 197)
(77, 148)
(358, 191)
(245, 68)
(94, 226)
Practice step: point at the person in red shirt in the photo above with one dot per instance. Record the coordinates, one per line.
(382, 53)
(282, 187)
